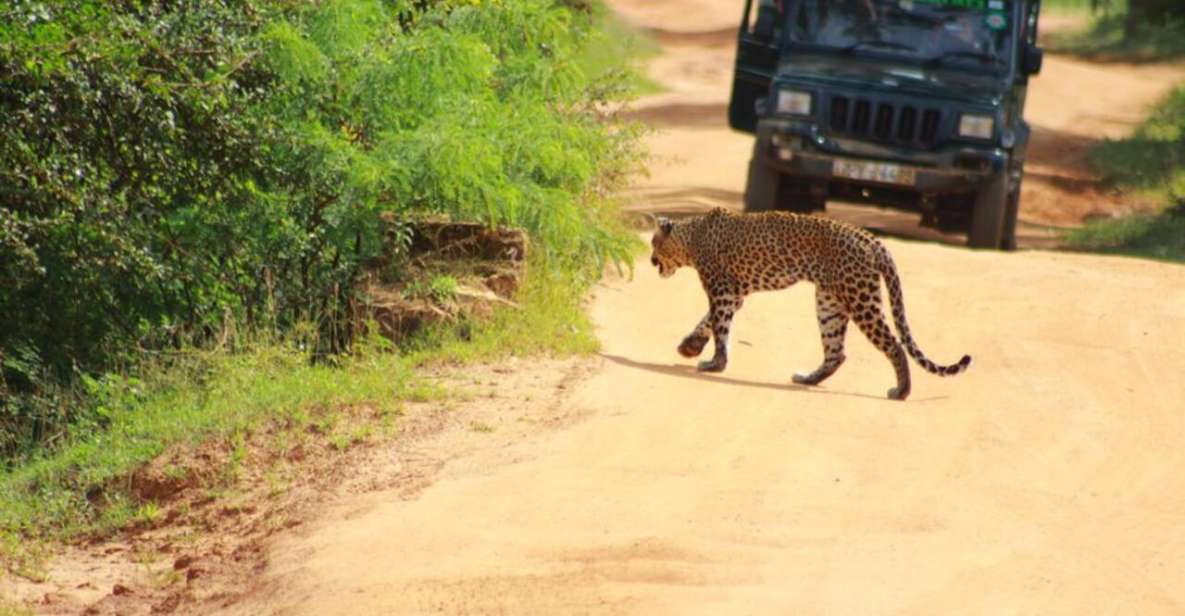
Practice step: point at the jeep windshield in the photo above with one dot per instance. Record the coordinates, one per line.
(963, 34)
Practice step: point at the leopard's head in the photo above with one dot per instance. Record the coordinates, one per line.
(668, 249)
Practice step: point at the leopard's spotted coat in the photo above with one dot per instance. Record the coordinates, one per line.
(739, 254)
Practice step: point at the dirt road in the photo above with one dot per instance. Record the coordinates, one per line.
(1046, 480)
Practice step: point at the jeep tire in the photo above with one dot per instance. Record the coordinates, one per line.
(1008, 238)
(761, 189)
(769, 190)
(987, 218)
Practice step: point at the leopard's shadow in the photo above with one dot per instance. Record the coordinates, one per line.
(689, 372)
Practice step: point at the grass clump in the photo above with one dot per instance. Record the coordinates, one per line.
(550, 321)
(1153, 236)
(1151, 161)
(9, 609)
(82, 486)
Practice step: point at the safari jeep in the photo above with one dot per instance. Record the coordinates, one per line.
(913, 104)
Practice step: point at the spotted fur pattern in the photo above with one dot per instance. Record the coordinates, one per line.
(739, 254)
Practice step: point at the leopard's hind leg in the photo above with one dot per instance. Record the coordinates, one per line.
(833, 325)
(863, 303)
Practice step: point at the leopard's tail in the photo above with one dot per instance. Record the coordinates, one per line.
(889, 271)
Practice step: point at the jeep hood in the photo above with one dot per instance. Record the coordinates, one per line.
(857, 73)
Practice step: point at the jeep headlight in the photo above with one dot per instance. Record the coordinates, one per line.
(794, 102)
(977, 126)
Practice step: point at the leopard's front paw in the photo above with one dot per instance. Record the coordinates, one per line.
(692, 346)
(715, 364)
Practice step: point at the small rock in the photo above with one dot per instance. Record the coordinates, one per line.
(182, 562)
(194, 574)
(120, 589)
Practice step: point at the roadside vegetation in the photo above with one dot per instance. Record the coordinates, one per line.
(1152, 160)
(190, 191)
(7, 609)
(82, 486)
(1154, 236)
(1154, 32)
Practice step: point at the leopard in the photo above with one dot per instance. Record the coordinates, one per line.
(737, 254)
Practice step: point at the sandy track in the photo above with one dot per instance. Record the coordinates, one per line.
(1044, 481)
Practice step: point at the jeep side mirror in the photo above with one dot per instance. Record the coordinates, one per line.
(767, 19)
(1032, 59)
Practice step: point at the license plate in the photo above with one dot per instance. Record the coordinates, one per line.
(885, 173)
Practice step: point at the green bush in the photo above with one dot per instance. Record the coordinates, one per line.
(170, 170)
(1151, 161)
(1154, 236)
(1153, 157)
(126, 139)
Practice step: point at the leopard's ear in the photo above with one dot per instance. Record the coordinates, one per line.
(665, 225)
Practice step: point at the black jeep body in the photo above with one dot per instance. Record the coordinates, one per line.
(912, 104)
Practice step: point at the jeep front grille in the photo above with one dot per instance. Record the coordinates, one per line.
(884, 121)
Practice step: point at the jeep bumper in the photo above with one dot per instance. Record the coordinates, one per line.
(801, 150)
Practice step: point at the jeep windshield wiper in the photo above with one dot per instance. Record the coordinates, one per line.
(973, 55)
(877, 43)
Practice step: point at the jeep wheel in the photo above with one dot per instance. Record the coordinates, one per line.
(761, 191)
(1008, 240)
(987, 219)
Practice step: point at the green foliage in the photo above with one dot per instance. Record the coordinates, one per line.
(1152, 159)
(442, 288)
(1069, 6)
(125, 138)
(1115, 34)
(550, 320)
(1123, 30)
(615, 55)
(168, 169)
(7, 609)
(1156, 236)
(81, 485)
